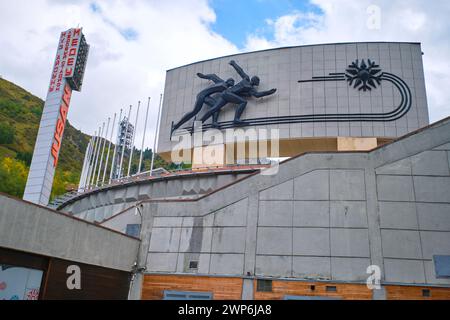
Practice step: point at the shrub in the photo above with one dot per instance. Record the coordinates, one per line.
(13, 176)
(6, 133)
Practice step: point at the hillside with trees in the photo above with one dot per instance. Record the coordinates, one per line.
(20, 114)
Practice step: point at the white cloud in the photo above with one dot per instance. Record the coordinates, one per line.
(346, 21)
(120, 71)
(167, 34)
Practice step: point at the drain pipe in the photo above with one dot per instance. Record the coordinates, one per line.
(136, 268)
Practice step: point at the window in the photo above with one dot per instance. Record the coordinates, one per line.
(310, 298)
(331, 289)
(426, 293)
(133, 230)
(19, 283)
(264, 285)
(442, 266)
(193, 264)
(182, 295)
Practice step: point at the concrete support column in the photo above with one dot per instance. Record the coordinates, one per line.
(373, 219)
(250, 245)
(247, 289)
(379, 294)
(136, 287)
(146, 212)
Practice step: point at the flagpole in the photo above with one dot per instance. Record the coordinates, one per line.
(109, 148)
(134, 135)
(143, 137)
(113, 162)
(156, 133)
(91, 162)
(98, 152)
(103, 153)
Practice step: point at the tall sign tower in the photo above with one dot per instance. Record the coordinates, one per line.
(124, 144)
(67, 75)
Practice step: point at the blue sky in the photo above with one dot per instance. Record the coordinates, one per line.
(237, 19)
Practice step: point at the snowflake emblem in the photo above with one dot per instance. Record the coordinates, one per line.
(364, 76)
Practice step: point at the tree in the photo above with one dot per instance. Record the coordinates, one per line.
(63, 182)
(6, 133)
(13, 176)
(25, 157)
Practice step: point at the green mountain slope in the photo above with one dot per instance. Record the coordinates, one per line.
(20, 114)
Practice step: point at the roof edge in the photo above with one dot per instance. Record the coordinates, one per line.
(66, 215)
(290, 47)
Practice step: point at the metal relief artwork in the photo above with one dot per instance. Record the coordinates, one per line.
(360, 76)
(223, 92)
(204, 97)
(237, 94)
(363, 75)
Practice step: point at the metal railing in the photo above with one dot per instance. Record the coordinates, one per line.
(157, 173)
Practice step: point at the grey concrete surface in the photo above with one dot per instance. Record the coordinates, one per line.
(281, 68)
(35, 229)
(104, 203)
(322, 216)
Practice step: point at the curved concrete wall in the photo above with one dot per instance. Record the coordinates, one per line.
(104, 203)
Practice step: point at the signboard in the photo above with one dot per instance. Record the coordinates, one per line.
(67, 75)
(17, 283)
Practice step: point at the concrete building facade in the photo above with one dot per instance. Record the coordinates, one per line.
(309, 232)
(322, 220)
(53, 246)
(364, 198)
(309, 81)
(361, 210)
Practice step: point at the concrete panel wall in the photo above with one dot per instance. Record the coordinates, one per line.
(282, 68)
(214, 241)
(322, 216)
(322, 221)
(29, 228)
(414, 207)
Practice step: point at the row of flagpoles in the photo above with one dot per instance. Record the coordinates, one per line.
(95, 165)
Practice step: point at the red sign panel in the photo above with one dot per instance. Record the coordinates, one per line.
(61, 123)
